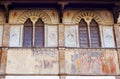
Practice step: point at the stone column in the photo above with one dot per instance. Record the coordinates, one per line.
(6, 33)
(119, 58)
(117, 36)
(3, 61)
(61, 61)
(61, 35)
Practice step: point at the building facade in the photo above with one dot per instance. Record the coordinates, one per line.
(59, 42)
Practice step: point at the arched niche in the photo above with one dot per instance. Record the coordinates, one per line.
(34, 15)
(101, 17)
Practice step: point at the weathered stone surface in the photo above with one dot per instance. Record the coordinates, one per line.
(2, 17)
(61, 61)
(117, 34)
(32, 77)
(1, 34)
(6, 35)
(71, 36)
(61, 35)
(0, 58)
(51, 35)
(107, 37)
(119, 57)
(90, 77)
(16, 32)
(32, 61)
(3, 61)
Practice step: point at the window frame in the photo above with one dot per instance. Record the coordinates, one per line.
(89, 34)
(98, 30)
(24, 34)
(86, 34)
(43, 35)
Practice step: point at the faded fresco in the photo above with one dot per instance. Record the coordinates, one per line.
(15, 37)
(51, 35)
(32, 61)
(91, 62)
(108, 38)
(71, 36)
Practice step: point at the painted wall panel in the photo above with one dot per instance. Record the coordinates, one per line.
(71, 36)
(15, 36)
(78, 61)
(51, 36)
(1, 34)
(108, 38)
(28, 61)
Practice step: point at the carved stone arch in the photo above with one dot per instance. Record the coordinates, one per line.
(34, 15)
(87, 15)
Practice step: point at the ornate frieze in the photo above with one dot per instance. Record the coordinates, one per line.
(20, 16)
(74, 16)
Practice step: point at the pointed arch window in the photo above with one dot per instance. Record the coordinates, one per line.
(83, 34)
(28, 33)
(94, 34)
(89, 34)
(39, 33)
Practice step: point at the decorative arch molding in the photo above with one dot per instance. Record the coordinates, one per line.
(33, 15)
(87, 16)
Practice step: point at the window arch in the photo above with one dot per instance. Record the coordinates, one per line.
(28, 33)
(83, 34)
(89, 34)
(39, 33)
(94, 34)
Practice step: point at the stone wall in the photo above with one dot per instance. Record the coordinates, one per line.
(61, 57)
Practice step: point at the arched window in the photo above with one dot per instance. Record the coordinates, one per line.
(28, 33)
(83, 34)
(39, 33)
(94, 34)
(89, 37)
